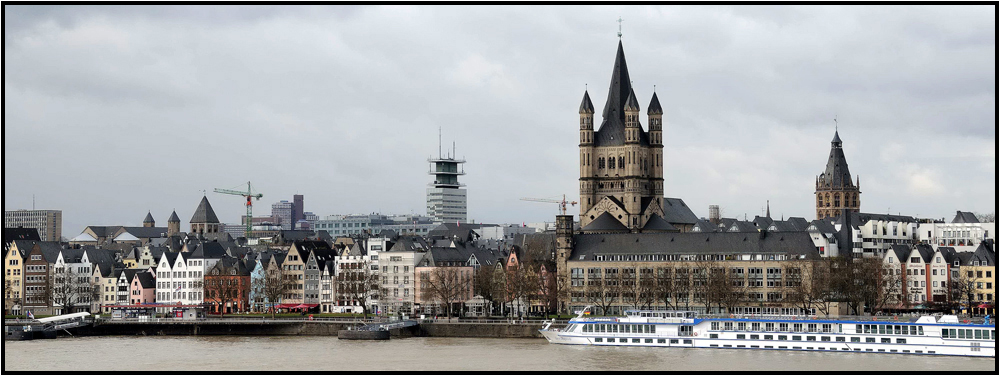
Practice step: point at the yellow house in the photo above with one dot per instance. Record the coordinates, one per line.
(13, 278)
(978, 271)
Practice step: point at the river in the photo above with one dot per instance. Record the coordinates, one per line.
(209, 353)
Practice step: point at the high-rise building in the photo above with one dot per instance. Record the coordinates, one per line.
(446, 199)
(834, 189)
(283, 210)
(621, 165)
(298, 212)
(47, 222)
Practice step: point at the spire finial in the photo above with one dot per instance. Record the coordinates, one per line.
(620, 27)
(654, 88)
(836, 126)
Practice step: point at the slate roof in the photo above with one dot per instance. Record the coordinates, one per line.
(174, 218)
(901, 251)
(20, 233)
(949, 254)
(409, 244)
(705, 226)
(146, 280)
(463, 232)
(742, 226)
(149, 218)
(654, 106)
(631, 103)
(228, 264)
(50, 250)
(612, 130)
(676, 211)
(720, 243)
(72, 256)
(926, 252)
(605, 223)
(965, 217)
(986, 255)
(586, 106)
(207, 250)
(837, 173)
(204, 213)
(658, 224)
(147, 232)
(825, 227)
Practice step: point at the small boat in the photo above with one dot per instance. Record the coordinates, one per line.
(928, 335)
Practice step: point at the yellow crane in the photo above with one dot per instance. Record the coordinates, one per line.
(562, 203)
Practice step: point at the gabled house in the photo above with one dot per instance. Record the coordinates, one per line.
(227, 287)
(143, 288)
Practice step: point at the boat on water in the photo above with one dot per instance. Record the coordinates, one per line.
(928, 335)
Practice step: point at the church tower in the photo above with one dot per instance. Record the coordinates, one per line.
(834, 189)
(621, 168)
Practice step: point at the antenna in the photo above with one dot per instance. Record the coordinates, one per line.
(620, 27)
(439, 142)
(32, 202)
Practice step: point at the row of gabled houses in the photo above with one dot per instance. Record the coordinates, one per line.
(191, 272)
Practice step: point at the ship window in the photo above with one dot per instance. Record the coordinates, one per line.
(855, 339)
(687, 341)
(886, 340)
(906, 330)
(661, 341)
(715, 325)
(673, 342)
(841, 339)
(901, 340)
(741, 336)
(635, 340)
(797, 328)
(742, 326)
(921, 329)
(729, 326)
(796, 338)
(648, 340)
(769, 327)
(754, 336)
(713, 336)
(979, 334)
(812, 328)
(881, 329)
(768, 338)
(782, 338)
(897, 329)
(598, 339)
(755, 326)
(782, 327)
(811, 338)
(870, 340)
(825, 339)
(859, 329)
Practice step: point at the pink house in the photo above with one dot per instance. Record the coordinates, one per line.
(143, 289)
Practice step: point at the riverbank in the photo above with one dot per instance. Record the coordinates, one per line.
(314, 328)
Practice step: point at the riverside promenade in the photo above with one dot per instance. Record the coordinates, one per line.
(237, 326)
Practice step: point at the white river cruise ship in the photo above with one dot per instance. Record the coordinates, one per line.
(928, 335)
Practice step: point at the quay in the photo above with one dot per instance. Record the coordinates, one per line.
(302, 327)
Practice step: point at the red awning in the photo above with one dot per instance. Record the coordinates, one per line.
(985, 306)
(286, 306)
(307, 306)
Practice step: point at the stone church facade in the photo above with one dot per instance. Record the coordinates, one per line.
(621, 164)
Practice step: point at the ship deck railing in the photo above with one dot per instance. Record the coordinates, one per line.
(902, 319)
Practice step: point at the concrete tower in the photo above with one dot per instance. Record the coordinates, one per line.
(446, 199)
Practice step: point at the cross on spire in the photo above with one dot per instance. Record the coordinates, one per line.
(620, 27)
(836, 125)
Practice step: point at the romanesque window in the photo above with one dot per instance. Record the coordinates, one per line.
(611, 163)
(819, 201)
(621, 161)
(600, 162)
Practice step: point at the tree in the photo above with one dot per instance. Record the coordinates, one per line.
(272, 286)
(356, 282)
(601, 292)
(484, 285)
(964, 290)
(523, 284)
(682, 287)
(987, 217)
(446, 286)
(646, 289)
(809, 287)
(664, 287)
(629, 286)
(223, 288)
(8, 296)
(68, 288)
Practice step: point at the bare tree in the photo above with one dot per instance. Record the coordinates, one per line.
(731, 287)
(646, 289)
(223, 288)
(601, 292)
(964, 290)
(523, 284)
(484, 285)
(807, 286)
(682, 287)
(273, 286)
(629, 286)
(664, 287)
(8, 296)
(357, 283)
(68, 288)
(446, 286)
(987, 217)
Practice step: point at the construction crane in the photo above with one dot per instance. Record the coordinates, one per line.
(562, 204)
(249, 195)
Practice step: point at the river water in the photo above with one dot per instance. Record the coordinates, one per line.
(431, 354)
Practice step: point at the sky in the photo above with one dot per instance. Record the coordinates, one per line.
(113, 111)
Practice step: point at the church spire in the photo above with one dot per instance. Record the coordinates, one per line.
(586, 106)
(621, 85)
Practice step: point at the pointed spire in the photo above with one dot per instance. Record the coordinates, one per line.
(654, 106)
(836, 139)
(174, 218)
(617, 92)
(631, 103)
(204, 212)
(149, 218)
(768, 209)
(586, 106)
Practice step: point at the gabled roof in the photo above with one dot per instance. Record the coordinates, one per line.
(825, 227)
(227, 265)
(901, 251)
(657, 224)
(676, 212)
(742, 226)
(605, 223)
(965, 217)
(949, 254)
(20, 233)
(126, 237)
(208, 250)
(985, 255)
(410, 244)
(204, 213)
(72, 256)
(83, 237)
(925, 251)
(147, 232)
(50, 250)
(860, 219)
(705, 226)
(146, 280)
(631, 103)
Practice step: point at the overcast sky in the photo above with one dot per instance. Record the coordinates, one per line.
(111, 111)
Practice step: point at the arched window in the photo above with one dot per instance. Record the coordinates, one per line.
(836, 200)
(600, 162)
(621, 161)
(611, 163)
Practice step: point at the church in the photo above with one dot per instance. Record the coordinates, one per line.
(621, 164)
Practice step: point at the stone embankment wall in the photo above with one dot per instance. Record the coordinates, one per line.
(476, 330)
